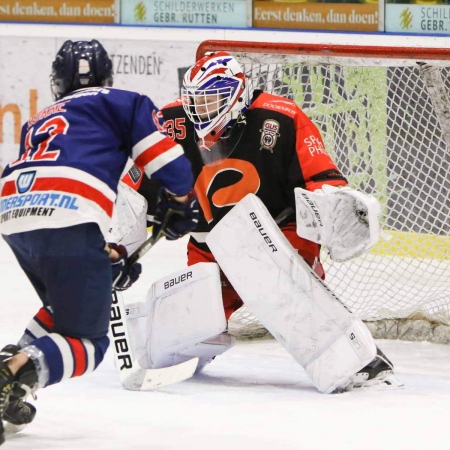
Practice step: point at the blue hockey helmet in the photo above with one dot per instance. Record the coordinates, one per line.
(79, 65)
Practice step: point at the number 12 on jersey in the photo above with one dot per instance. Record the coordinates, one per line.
(44, 135)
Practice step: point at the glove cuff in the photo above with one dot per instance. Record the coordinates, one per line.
(120, 249)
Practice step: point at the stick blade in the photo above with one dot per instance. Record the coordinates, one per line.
(149, 379)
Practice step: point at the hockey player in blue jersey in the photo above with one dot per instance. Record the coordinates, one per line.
(56, 203)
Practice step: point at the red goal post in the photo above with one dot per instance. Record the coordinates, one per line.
(325, 50)
(384, 113)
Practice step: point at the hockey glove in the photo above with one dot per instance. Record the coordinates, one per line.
(123, 274)
(344, 220)
(174, 219)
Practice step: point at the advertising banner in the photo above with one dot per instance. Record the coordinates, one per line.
(190, 13)
(152, 68)
(418, 18)
(316, 16)
(75, 11)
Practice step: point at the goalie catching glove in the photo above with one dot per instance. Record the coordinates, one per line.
(123, 274)
(173, 218)
(342, 219)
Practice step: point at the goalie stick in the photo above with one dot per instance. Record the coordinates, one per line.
(132, 376)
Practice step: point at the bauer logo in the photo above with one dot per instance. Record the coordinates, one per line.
(314, 209)
(25, 181)
(177, 280)
(262, 232)
(119, 334)
(269, 134)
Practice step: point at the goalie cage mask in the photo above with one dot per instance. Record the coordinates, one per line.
(79, 65)
(215, 96)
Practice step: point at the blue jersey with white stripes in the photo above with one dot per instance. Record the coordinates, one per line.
(72, 155)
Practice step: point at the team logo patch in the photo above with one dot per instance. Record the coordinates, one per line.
(269, 134)
(25, 181)
(135, 174)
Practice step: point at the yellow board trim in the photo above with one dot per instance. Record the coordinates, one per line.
(413, 245)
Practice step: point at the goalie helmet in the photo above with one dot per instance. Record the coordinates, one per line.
(79, 65)
(215, 96)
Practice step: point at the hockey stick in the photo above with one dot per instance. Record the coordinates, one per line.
(143, 249)
(151, 241)
(132, 376)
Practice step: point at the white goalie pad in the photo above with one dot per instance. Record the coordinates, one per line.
(288, 298)
(344, 220)
(132, 375)
(128, 223)
(183, 311)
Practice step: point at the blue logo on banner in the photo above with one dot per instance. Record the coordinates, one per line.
(25, 181)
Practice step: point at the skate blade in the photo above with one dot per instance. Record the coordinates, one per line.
(12, 429)
(387, 382)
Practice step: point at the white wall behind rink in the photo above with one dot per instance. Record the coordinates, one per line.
(199, 34)
(145, 60)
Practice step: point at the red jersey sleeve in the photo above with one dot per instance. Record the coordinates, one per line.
(316, 164)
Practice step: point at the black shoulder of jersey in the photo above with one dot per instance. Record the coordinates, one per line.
(256, 94)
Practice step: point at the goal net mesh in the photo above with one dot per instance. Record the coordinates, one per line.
(386, 124)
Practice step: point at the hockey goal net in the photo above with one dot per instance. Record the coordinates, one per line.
(384, 114)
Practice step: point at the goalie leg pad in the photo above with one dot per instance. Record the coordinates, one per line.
(288, 298)
(184, 311)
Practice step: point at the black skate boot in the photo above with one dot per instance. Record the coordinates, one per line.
(17, 412)
(7, 380)
(378, 373)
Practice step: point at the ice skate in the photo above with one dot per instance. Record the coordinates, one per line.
(7, 380)
(378, 375)
(17, 413)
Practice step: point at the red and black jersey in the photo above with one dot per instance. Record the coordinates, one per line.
(280, 149)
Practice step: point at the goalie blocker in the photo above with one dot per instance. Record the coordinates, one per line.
(288, 298)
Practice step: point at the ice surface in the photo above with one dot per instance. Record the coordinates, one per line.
(252, 397)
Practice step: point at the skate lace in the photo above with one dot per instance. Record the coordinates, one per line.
(4, 394)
